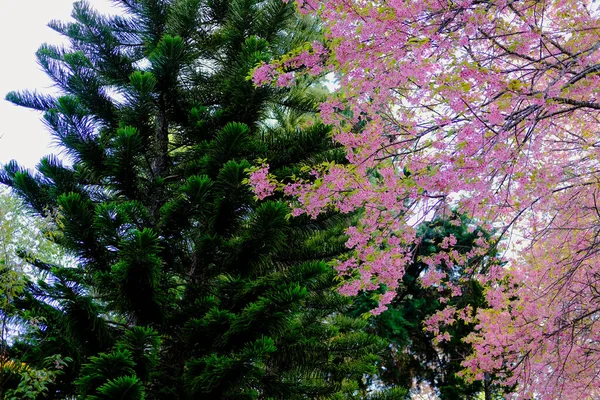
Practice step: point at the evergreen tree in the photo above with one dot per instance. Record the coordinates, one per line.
(186, 285)
(413, 355)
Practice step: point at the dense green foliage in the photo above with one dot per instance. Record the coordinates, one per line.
(186, 286)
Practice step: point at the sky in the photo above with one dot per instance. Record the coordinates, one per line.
(23, 29)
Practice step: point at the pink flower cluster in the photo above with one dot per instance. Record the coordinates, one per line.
(261, 184)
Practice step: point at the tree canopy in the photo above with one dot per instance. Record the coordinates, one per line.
(490, 107)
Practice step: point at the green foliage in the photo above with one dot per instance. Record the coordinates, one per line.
(123, 388)
(104, 367)
(143, 343)
(32, 383)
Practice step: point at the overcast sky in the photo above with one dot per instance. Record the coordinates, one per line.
(22, 29)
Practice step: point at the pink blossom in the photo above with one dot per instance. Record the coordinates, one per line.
(260, 182)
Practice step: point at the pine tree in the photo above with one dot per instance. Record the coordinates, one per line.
(187, 286)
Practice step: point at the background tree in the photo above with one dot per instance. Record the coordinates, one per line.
(19, 230)
(186, 285)
(414, 355)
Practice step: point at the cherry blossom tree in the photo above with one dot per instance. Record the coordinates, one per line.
(489, 107)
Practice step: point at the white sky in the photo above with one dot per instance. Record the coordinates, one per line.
(22, 30)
